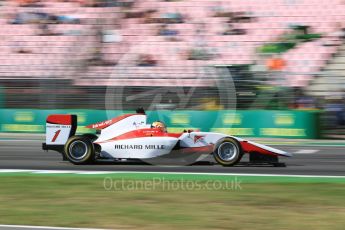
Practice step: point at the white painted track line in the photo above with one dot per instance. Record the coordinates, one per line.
(42, 227)
(84, 172)
(307, 151)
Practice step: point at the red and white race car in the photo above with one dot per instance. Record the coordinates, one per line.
(129, 137)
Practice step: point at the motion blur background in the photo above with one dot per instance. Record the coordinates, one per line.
(283, 62)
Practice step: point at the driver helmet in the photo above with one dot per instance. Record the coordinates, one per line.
(159, 125)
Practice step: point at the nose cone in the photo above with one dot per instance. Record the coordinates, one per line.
(281, 152)
(273, 150)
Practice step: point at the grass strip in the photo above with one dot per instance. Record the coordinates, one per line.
(84, 201)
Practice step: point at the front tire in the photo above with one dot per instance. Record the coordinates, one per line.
(79, 150)
(228, 152)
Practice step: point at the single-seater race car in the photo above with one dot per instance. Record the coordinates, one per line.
(129, 137)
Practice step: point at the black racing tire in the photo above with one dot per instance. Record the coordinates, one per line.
(228, 152)
(79, 150)
(64, 158)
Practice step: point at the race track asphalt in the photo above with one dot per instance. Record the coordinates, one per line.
(307, 160)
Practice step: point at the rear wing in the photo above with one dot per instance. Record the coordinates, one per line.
(59, 127)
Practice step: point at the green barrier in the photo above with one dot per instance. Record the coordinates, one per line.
(250, 123)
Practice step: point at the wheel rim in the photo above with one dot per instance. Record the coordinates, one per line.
(227, 151)
(78, 150)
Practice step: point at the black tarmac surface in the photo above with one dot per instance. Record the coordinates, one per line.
(307, 160)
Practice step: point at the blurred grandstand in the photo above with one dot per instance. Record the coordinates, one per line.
(280, 53)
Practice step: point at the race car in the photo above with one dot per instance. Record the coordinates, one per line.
(129, 137)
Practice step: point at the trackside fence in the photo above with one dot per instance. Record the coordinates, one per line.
(246, 123)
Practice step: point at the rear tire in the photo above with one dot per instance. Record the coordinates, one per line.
(79, 150)
(228, 152)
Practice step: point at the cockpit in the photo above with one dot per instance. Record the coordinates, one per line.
(159, 125)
